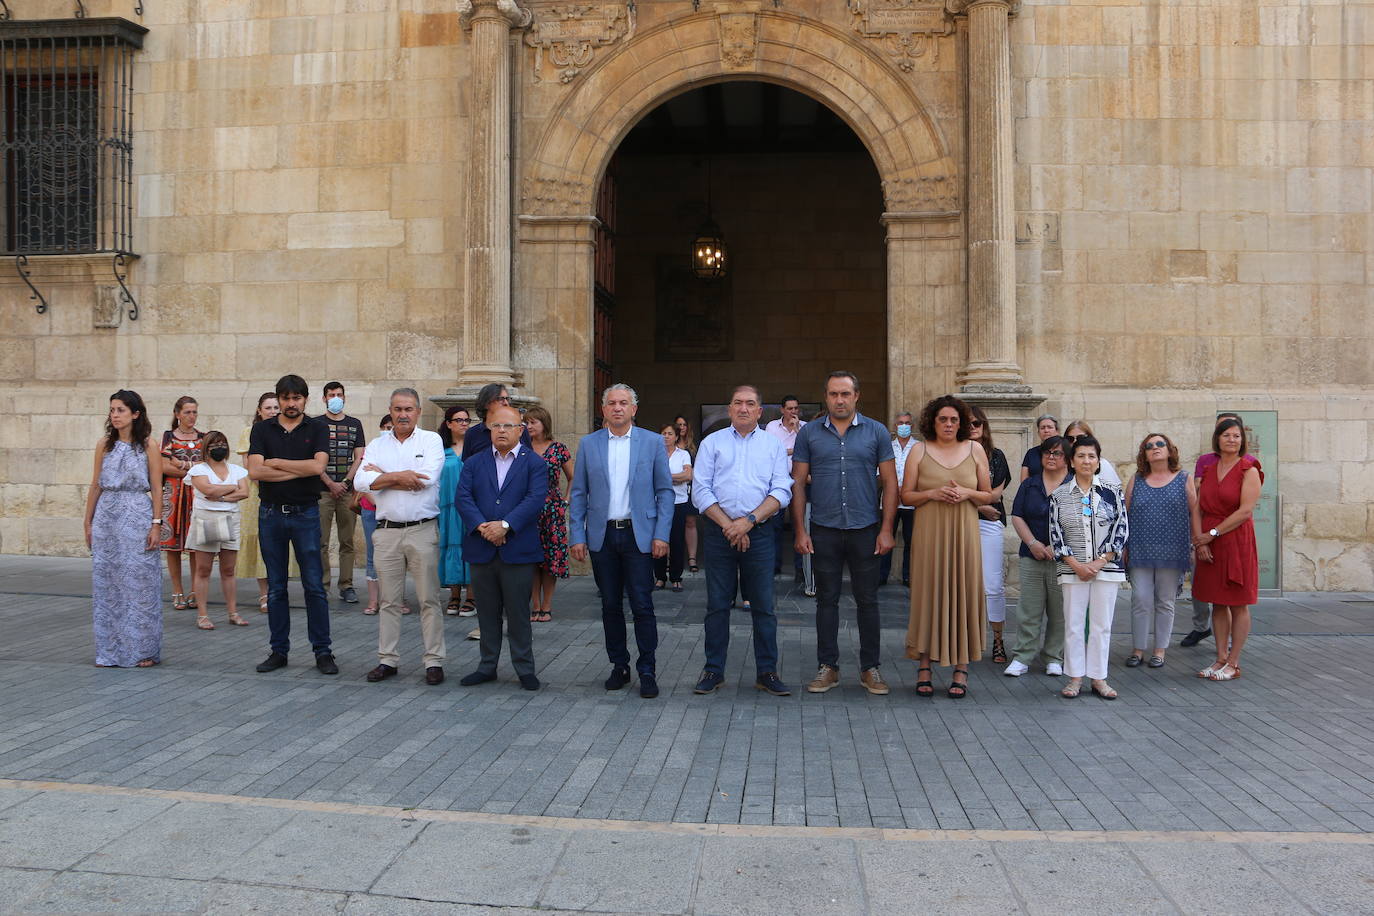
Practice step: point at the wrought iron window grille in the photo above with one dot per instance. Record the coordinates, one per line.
(66, 143)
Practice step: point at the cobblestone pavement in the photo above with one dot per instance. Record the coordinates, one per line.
(1286, 748)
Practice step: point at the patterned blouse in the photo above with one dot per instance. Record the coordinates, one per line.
(1074, 514)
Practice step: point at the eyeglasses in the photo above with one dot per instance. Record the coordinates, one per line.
(504, 399)
(505, 425)
(1158, 443)
(1054, 454)
(459, 420)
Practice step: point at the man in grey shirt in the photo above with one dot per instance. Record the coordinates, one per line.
(848, 457)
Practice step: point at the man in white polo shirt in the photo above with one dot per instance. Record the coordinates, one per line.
(400, 469)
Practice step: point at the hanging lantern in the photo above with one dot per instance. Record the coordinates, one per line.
(709, 252)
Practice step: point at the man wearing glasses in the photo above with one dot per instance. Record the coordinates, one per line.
(1041, 608)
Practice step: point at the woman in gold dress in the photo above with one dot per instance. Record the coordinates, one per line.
(946, 479)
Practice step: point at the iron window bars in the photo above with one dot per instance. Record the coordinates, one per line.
(66, 142)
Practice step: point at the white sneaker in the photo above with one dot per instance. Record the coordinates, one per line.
(1054, 669)
(1016, 669)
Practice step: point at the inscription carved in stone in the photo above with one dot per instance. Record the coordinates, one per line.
(926, 193)
(907, 29)
(567, 35)
(554, 197)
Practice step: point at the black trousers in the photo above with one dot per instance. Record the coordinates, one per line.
(669, 568)
(503, 590)
(904, 520)
(833, 549)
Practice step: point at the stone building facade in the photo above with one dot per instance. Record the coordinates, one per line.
(1136, 211)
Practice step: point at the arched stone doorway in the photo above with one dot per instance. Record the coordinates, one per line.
(553, 314)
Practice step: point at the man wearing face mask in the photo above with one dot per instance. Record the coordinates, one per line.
(345, 451)
(901, 447)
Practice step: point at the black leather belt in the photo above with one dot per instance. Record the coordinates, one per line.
(288, 508)
(618, 523)
(383, 523)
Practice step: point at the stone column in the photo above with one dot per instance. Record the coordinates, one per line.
(991, 232)
(487, 257)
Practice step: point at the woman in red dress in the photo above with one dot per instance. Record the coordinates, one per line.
(1227, 574)
(181, 448)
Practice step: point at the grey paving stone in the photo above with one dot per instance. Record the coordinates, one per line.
(1328, 878)
(175, 843)
(232, 899)
(58, 829)
(86, 892)
(475, 863)
(377, 905)
(640, 872)
(337, 852)
(782, 876)
(1062, 877)
(1214, 877)
(911, 877)
(16, 884)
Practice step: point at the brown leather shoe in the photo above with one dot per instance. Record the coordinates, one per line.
(380, 673)
(826, 677)
(872, 679)
(434, 675)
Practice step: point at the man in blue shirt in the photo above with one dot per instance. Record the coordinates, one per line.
(848, 457)
(740, 484)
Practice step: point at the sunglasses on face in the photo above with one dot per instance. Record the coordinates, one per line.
(976, 424)
(1158, 443)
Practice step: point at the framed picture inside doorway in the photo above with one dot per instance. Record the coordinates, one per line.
(693, 318)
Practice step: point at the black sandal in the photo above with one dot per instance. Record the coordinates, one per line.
(999, 651)
(660, 585)
(924, 688)
(692, 564)
(954, 685)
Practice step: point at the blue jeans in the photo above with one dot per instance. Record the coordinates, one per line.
(752, 571)
(284, 528)
(620, 567)
(369, 526)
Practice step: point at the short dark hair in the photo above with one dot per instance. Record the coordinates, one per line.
(1222, 427)
(485, 395)
(1051, 442)
(789, 397)
(292, 384)
(842, 373)
(929, 412)
(1082, 442)
(333, 386)
(382, 423)
(446, 434)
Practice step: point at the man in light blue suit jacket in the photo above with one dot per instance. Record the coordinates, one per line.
(621, 507)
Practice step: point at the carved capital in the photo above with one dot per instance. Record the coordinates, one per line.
(554, 197)
(961, 7)
(509, 10)
(567, 35)
(906, 29)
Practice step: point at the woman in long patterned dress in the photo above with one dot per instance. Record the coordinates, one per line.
(553, 521)
(946, 478)
(181, 448)
(453, 571)
(250, 556)
(1227, 574)
(122, 531)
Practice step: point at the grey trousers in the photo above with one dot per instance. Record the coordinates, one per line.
(1040, 611)
(1202, 615)
(503, 591)
(1153, 593)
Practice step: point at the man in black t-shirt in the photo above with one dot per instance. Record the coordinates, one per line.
(286, 455)
(346, 443)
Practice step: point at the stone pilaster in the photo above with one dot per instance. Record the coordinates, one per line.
(486, 350)
(991, 235)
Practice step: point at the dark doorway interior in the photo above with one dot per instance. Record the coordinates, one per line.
(798, 201)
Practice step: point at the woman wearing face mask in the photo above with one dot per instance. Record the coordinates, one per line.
(1227, 572)
(181, 448)
(218, 488)
(250, 565)
(1088, 531)
(1046, 425)
(992, 521)
(122, 530)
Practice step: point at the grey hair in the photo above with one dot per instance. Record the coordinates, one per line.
(408, 392)
(619, 386)
(1047, 416)
(906, 413)
(745, 386)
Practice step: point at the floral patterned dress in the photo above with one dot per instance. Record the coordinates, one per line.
(553, 521)
(126, 577)
(177, 494)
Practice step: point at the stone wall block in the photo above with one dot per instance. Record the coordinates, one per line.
(277, 191)
(1131, 187)
(256, 308)
(419, 356)
(1328, 190)
(358, 229)
(270, 356)
(346, 189)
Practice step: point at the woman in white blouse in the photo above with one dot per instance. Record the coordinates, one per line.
(668, 570)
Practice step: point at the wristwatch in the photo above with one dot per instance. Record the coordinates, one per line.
(753, 520)
(505, 524)
(1213, 533)
(157, 521)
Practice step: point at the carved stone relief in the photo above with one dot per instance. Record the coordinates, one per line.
(739, 38)
(568, 34)
(907, 29)
(554, 197)
(926, 193)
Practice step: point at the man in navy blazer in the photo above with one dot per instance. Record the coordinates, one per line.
(621, 508)
(501, 493)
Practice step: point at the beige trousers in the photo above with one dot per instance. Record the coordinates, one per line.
(334, 513)
(394, 552)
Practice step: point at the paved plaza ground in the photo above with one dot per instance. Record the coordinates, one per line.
(200, 785)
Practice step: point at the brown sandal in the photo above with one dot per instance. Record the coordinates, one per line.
(237, 621)
(203, 622)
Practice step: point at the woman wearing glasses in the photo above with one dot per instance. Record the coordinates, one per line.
(1042, 600)
(1161, 503)
(1088, 531)
(946, 478)
(453, 572)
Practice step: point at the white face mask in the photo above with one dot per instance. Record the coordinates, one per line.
(334, 404)
(903, 430)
